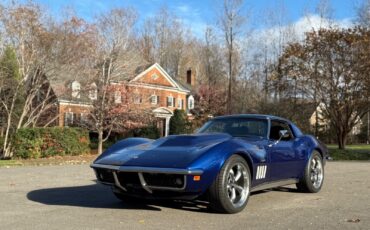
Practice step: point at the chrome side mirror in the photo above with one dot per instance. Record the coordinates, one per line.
(282, 134)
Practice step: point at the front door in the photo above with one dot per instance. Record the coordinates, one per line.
(161, 125)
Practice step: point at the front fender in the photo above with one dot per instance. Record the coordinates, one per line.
(212, 162)
(125, 143)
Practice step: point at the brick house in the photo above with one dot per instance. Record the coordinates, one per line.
(324, 123)
(152, 88)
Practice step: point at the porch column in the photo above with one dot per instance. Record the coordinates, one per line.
(167, 130)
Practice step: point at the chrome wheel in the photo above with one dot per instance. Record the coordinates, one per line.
(237, 185)
(316, 172)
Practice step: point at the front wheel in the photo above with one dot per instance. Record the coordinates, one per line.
(313, 177)
(230, 191)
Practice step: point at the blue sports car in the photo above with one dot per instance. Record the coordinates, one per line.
(226, 160)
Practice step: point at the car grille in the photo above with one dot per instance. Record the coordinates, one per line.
(164, 180)
(131, 180)
(105, 176)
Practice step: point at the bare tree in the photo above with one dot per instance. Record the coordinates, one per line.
(231, 21)
(363, 13)
(39, 48)
(147, 40)
(25, 33)
(116, 61)
(164, 39)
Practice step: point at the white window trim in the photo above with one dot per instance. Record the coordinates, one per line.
(154, 76)
(117, 97)
(155, 100)
(76, 89)
(93, 92)
(65, 118)
(137, 99)
(170, 99)
(179, 103)
(191, 102)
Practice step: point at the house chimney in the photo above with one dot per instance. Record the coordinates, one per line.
(190, 77)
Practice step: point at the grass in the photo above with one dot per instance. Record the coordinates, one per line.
(352, 152)
(353, 147)
(8, 163)
(56, 160)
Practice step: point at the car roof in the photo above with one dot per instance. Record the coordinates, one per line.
(255, 116)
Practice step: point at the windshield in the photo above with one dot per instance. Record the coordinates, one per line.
(237, 127)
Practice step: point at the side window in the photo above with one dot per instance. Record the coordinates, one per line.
(276, 127)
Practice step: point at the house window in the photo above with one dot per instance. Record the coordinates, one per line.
(154, 99)
(76, 88)
(117, 97)
(191, 102)
(83, 119)
(154, 76)
(179, 103)
(68, 119)
(93, 92)
(137, 99)
(170, 101)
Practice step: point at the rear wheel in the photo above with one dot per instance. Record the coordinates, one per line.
(313, 177)
(229, 193)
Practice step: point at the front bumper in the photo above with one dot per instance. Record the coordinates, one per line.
(145, 180)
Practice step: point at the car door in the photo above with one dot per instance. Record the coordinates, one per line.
(281, 152)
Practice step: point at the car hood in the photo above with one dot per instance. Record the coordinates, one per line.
(169, 152)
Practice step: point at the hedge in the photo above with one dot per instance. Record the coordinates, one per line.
(151, 132)
(45, 142)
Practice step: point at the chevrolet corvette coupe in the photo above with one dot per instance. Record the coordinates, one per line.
(226, 160)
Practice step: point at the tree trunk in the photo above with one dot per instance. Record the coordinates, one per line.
(342, 139)
(368, 128)
(100, 142)
(229, 101)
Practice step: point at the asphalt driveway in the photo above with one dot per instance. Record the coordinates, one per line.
(66, 197)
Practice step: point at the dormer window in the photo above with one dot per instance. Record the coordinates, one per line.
(191, 102)
(76, 88)
(117, 97)
(170, 102)
(93, 92)
(154, 99)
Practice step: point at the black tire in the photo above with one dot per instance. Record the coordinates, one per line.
(221, 189)
(313, 177)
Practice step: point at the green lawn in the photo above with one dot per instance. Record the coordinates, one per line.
(4, 163)
(352, 147)
(56, 160)
(352, 152)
